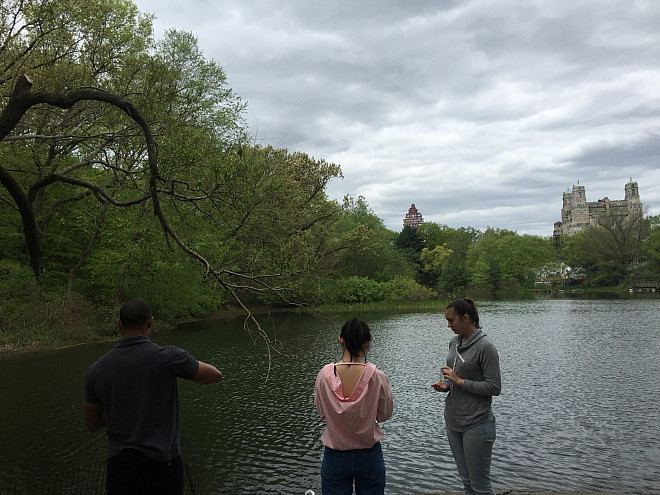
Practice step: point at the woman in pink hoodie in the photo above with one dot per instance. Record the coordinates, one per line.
(353, 396)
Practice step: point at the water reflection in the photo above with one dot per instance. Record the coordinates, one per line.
(579, 407)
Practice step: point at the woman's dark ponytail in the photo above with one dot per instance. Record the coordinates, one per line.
(355, 334)
(465, 306)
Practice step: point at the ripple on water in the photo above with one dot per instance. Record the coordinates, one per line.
(579, 407)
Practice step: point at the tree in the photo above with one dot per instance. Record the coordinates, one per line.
(503, 258)
(410, 244)
(108, 124)
(653, 247)
(453, 274)
(433, 234)
(610, 249)
(434, 260)
(524, 257)
(61, 46)
(88, 152)
(484, 259)
(367, 248)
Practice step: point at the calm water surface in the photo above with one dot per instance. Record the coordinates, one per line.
(579, 407)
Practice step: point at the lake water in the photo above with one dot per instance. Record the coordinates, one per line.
(579, 407)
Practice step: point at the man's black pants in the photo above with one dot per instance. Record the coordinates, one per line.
(132, 473)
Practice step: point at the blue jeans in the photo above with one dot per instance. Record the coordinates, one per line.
(472, 452)
(341, 467)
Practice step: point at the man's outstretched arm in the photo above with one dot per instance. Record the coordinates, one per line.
(207, 374)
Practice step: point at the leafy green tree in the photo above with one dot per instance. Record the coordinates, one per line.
(503, 258)
(653, 247)
(481, 273)
(410, 244)
(453, 275)
(88, 66)
(269, 222)
(525, 255)
(611, 249)
(276, 214)
(484, 259)
(433, 234)
(357, 290)
(434, 260)
(117, 151)
(56, 147)
(367, 247)
(621, 240)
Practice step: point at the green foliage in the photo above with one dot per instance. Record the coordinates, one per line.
(435, 258)
(432, 234)
(483, 260)
(16, 283)
(366, 246)
(434, 261)
(502, 258)
(653, 246)
(352, 290)
(32, 317)
(525, 255)
(132, 259)
(454, 276)
(357, 290)
(612, 250)
(410, 244)
(450, 272)
(406, 289)
(260, 216)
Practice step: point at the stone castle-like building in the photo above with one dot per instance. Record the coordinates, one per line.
(577, 212)
(413, 218)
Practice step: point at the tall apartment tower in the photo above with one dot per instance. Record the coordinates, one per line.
(413, 218)
(577, 212)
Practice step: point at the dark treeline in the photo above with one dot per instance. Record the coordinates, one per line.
(127, 171)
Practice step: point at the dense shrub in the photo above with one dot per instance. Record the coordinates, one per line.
(405, 289)
(365, 290)
(357, 290)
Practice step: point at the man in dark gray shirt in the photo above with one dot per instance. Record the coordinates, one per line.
(132, 391)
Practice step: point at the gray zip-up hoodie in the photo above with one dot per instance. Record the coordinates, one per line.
(477, 362)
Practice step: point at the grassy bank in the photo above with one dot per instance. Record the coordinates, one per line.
(37, 320)
(46, 321)
(433, 305)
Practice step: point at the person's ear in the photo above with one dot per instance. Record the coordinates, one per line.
(341, 342)
(366, 345)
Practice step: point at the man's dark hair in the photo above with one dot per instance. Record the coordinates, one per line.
(134, 313)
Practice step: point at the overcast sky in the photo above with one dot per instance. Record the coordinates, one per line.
(481, 112)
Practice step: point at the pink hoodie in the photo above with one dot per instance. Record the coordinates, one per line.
(352, 423)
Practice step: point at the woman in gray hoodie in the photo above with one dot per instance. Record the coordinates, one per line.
(472, 378)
